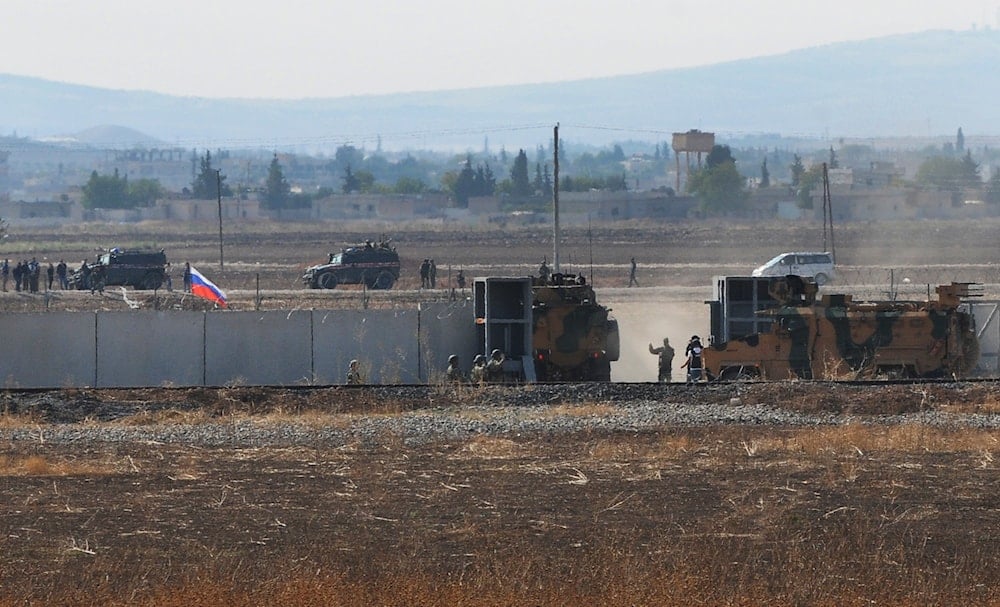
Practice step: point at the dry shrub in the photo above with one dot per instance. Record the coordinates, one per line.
(39, 465)
(666, 448)
(860, 438)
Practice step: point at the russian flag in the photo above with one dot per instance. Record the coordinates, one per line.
(206, 289)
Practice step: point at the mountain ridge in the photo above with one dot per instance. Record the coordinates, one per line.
(909, 84)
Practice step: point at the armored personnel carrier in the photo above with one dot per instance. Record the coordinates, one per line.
(141, 269)
(574, 338)
(835, 337)
(375, 265)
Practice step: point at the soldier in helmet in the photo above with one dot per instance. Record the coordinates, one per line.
(666, 360)
(454, 372)
(354, 376)
(494, 367)
(694, 360)
(478, 373)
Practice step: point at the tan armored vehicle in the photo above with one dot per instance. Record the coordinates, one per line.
(837, 338)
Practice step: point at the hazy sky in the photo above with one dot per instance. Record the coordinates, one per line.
(334, 48)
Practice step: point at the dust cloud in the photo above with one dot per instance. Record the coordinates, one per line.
(644, 323)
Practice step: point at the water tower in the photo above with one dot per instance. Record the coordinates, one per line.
(691, 141)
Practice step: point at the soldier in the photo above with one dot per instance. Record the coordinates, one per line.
(5, 272)
(494, 368)
(187, 277)
(631, 275)
(459, 279)
(543, 272)
(478, 373)
(354, 376)
(454, 373)
(18, 273)
(425, 271)
(666, 360)
(50, 275)
(61, 274)
(432, 274)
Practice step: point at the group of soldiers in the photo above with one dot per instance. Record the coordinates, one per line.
(27, 275)
(693, 360)
(428, 274)
(483, 370)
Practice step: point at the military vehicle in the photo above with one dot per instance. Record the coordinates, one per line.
(375, 265)
(837, 338)
(142, 269)
(564, 335)
(574, 338)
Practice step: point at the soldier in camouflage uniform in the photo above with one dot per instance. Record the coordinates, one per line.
(354, 376)
(454, 372)
(478, 373)
(666, 360)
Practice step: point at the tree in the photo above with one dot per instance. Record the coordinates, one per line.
(409, 185)
(951, 174)
(276, 190)
(351, 182)
(797, 170)
(206, 184)
(144, 192)
(105, 191)
(765, 175)
(718, 186)
(520, 182)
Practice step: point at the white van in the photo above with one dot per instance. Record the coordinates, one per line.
(818, 266)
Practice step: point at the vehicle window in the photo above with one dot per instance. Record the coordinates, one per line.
(787, 260)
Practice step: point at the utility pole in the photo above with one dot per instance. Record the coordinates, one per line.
(218, 184)
(555, 201)
(828, 215)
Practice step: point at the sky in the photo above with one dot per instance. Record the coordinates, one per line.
(336, 48)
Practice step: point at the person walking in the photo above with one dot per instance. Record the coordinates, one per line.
(632, 282)
(666, 360)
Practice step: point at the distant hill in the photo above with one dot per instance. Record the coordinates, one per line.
(908, 85)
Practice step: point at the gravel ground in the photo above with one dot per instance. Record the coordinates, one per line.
(262, 417)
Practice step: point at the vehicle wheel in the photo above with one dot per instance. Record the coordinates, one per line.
(384, 281)
(151, 282)
(822, 279)
(737, 374)
(328, 280)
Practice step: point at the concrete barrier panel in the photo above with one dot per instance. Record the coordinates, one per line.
(150, 348)
(51, 350)
(258, 348)
(447, 329)
(383, 341)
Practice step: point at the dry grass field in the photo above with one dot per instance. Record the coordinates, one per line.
(863, 513)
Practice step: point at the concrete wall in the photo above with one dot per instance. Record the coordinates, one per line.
(146, 348)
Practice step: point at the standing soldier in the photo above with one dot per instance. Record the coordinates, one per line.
(187, 277)
(50, 275)
(494, 368)
(425, 271)
(666, 354)
(18, 273)
(454, 372)
(5, 272)
(460, 279)
(61, 274)
(432, 274)
(478, 373)
(543, 272)
(354, 377)
(631, 275)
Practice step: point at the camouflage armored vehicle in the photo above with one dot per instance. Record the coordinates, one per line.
(375, 265)
(573, 337)
(142, 269)
(837, 338)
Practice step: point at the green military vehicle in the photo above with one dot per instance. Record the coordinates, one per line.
(141, 269)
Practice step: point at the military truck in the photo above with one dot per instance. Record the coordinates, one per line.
(834, 337)
(549, 329)
(142, 269)
(374, 264)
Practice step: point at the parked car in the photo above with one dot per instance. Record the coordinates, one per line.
(815, 265)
